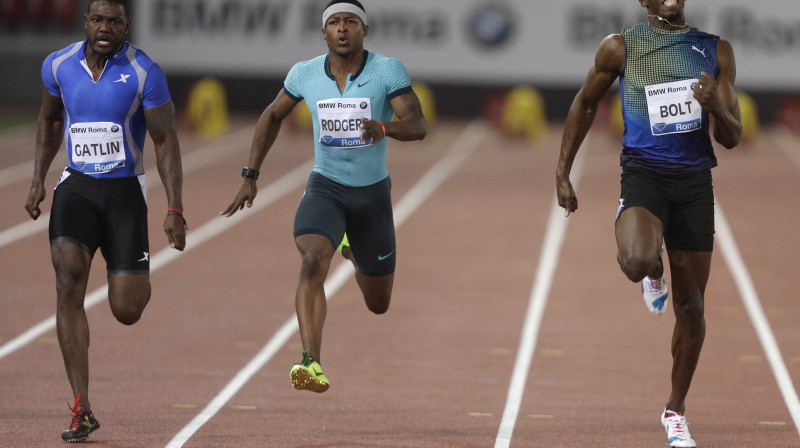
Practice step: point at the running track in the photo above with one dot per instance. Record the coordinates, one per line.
(484, 258)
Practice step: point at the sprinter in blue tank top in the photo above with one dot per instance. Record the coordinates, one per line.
(102, 96)
(672, 77)
(352, 94)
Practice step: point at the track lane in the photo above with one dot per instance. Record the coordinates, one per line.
(603, 374)
(426, 372)
(433, 371)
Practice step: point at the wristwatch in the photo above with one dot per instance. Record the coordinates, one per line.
(250, 173)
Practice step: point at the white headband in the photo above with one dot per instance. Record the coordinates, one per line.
(343, 7)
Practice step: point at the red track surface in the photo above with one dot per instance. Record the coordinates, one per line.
(435, 370)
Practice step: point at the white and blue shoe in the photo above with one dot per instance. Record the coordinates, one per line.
(656, 294)
(677, 428)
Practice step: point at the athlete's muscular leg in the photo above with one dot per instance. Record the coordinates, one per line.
(689, 271)
(128, 295)
(639, 235)
(72, 263)
(316, 253)
(377, 291)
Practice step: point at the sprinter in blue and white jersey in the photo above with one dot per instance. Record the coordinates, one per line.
(352, 94)
(672, 78)
(102, 96)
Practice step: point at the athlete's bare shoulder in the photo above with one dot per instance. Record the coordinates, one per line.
(724, 48)
(610, 55)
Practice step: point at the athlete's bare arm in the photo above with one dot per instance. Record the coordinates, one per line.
(410, 123)
(49, 133)
(609, 63)
(718, 97)
(161, 126)
(269, 124)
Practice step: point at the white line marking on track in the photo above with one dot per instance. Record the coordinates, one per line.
(274, 191)
(191, 162)
(413, 199)
(16, 173)
(730, 251)
(548, 262)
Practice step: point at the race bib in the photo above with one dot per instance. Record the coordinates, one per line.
(340, 121)
(672, 107)
(97, 147)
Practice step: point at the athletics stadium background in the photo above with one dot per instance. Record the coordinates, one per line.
(468, 52)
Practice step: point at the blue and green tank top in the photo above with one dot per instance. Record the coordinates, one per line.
(665, 128)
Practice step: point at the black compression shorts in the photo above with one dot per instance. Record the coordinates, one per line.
(107, 213)
(683, 202)
(330, 209)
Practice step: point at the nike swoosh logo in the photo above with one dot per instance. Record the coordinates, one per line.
(318, 373)
(362, 85)
(383, 257)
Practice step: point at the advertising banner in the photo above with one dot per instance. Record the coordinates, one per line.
(544, 42)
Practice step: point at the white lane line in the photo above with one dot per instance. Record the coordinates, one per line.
(16, 173)
(191, 162)
(274, 191)
(19, 172)
(548, 262)
(741, 275)
(412, 200)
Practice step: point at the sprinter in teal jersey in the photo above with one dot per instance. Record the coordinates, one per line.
(672, 77)
(353, 95)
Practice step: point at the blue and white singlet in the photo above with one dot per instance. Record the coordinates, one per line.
(104, 122)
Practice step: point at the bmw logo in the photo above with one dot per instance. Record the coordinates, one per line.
(363, 104)
(114, 128)
(492, 24)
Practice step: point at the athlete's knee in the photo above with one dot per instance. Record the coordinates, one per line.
(314, 264)
(128, 306)
(127, 314)
(71, 277)
(377, 292)
(634, 265)
(379, 309)
(379, 304)
(690, 309)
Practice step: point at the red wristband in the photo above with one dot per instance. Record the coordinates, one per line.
(175, 210)
(383, 127)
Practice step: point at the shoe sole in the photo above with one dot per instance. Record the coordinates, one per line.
(302, 380)
(84, 438)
